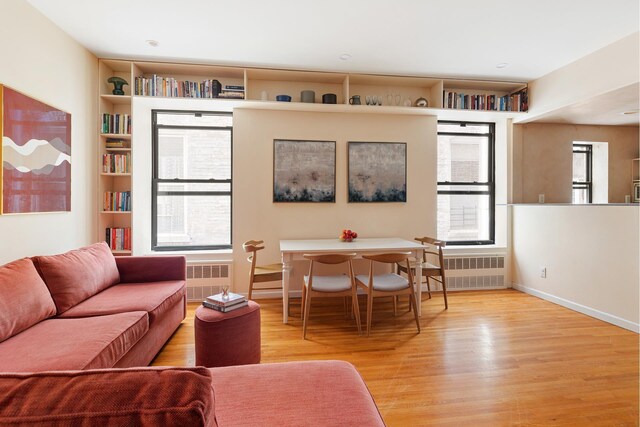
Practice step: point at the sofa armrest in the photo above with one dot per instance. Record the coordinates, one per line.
(124, 397)
(136, 269)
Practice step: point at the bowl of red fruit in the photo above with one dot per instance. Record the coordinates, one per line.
(348, 236)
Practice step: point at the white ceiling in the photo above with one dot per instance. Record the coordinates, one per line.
(439, 38)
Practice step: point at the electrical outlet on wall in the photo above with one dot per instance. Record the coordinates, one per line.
(543, 272)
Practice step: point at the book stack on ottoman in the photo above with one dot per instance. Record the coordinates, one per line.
(225, 302)
(228, 333)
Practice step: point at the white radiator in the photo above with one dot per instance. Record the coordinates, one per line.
(206, 278)
(486, 271)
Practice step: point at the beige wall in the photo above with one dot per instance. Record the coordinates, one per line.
(43, 62)
(567, 240)
(542, 159)
(255, 216)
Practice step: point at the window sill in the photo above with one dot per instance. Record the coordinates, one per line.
(474, 249)
(221, 255)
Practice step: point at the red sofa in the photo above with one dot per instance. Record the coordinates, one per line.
(85, 309)
(315, 393)
(65, 318)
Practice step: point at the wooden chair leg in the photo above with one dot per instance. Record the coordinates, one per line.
(428, 287)
(356, 310)
(250, 290)
(303, 300)
(412, 300)
(369, 312)
(444, 292)
(307, 309)
(395, 305)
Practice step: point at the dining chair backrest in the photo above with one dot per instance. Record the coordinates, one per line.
(436, 245)
(261, 273)
(431, 270)
(390, 258)
(329, 259)
(251, 247)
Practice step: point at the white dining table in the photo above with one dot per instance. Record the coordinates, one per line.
(292, 250)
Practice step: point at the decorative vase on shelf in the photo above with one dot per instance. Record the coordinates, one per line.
(118, 83)
(421, 102)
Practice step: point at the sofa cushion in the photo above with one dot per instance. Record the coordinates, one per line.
(153, 297)
(316, 393)
(114, 397)
(62, 344)
(76, 275)
(24, 298)
(135, 269)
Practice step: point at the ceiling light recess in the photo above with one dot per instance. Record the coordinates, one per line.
(152, 43)
(345, 56)
(502, 65)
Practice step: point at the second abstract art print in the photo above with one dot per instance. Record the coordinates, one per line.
(377, 172)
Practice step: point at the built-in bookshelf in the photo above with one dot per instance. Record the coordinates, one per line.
(396, 94)
(258, 88)
(490, 96)
(115, 151)
(188, 81)
(118, 239)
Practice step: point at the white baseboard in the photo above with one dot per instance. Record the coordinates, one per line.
(600, 315)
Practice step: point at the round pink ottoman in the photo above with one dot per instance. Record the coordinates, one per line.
(225, 339)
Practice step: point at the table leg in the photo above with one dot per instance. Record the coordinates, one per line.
(286, 280)
(418, 281)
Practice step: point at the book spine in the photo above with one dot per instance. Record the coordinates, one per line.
(213, 306)
(224, 309)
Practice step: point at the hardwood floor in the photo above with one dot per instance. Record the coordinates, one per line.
(494, 358)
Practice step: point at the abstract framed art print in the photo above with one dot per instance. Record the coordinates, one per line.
(35, 155)
(377, 172)
(304, 171)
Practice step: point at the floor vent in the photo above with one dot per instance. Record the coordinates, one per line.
(474, 272)
(204, 279)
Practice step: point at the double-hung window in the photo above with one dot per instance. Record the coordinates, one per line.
(582, 172)
(191, 180)
(466, 187)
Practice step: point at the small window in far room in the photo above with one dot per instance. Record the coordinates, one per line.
(582, 174)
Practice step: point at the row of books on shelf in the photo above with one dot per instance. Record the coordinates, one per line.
(225, 302)
(116, 163)
(118, 239)
(173, 88)
(115, 143)
(116, 123)
(517, 101)
(118, 201)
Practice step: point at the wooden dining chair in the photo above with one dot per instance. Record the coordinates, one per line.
(262, 273)
(387, 285)
(317, 286)
(432, 264)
